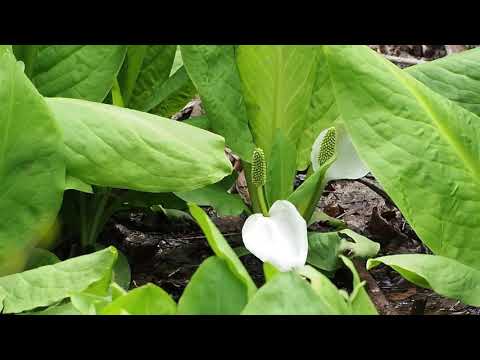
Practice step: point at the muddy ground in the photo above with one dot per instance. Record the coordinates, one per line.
(167, 252)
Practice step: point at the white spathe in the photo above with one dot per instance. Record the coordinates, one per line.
(348, 164)
(280, 239)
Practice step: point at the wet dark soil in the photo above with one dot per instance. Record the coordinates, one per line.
(167, 252)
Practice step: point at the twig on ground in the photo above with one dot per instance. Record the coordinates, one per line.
(371, 184)
(383, 306)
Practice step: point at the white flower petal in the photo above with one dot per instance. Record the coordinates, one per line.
(280, 239)
(348, 164)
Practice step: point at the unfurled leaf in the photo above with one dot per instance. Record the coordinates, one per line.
(154, 71)
(77, 71)
(222, 249)
(410, 136)
(445, 276)
(111, 146)
(46, 285)
(281, 168)
(132, 65)
(287, 294)
(277, 83)
(457, 77)
(323, 250)
(360, 246)
(148, 299)
(213, 70)
(213, 290)
(122, 271)
(31, 162)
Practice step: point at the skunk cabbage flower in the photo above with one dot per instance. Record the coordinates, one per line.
(279, 238)
(347, 164)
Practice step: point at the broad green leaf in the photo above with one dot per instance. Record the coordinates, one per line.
(277, 83)
(281, 168)
(213, 70)
(361, 247)
(411, 137)
(445, 276)
(46, 285)
(40, 257)
(323, 250)
(32, 169)
(331, 221)
(457, 77)
(170, 96)
(359, 299)
(322, 111)
(213, 290)
(155, 70)
(222, 249)
(216, 195)
(122, 271)
(148, 299)
(27, 54)
(123, 148)
(201, 122)
(77, 71)
(72, 183)
(128, 75)
(89, 304)
(287, 294)
(325, 289)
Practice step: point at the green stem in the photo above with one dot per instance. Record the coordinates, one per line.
(117, 98)
(261, 200)
(83, 221)
(99, 214)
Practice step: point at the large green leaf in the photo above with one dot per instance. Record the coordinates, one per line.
(277, 83)
(122, 148)
(222, 249)
(287, 294)
(213, 290)
(46, 285)
(456, 77)
(281, 168)
(213, 71)
(171, 96)
(40, 257)
(32, 169)
(128, 75)
(148, 299)
(155, 70)
(77, 71)
(322, 112)
(445, 276)
(323, 250)
(422, 148)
